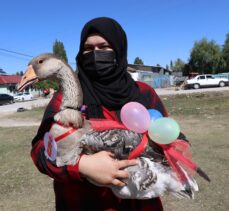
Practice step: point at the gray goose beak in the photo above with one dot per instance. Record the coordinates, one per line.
(28, 78)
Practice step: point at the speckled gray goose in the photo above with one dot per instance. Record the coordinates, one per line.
(151, 178)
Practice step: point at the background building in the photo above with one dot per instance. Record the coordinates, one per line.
(8, 83)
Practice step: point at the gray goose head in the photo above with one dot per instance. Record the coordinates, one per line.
(42, 67)
(47, 66)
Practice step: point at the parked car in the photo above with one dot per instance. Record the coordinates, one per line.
(23, 96)
(206, 81)
(5, 98)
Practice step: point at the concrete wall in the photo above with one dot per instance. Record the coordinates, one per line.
(4, 90)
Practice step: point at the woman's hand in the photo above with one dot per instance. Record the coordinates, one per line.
(104, 169)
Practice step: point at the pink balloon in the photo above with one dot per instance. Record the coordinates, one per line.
(135, 117)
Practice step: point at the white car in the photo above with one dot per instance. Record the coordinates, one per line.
(23, 96)
(206, 81)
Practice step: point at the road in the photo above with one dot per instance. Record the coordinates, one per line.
(11, 108)
(39, 102)
(172, 91)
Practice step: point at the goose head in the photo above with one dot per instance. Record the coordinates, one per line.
(42, 67)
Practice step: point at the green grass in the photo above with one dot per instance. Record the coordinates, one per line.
(215, 103)
(22, 187)
(204, 118)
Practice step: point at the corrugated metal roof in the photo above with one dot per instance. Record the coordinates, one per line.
(10, 79)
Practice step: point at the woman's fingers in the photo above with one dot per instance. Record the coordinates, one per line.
(117, 182)
(122, 174)
(110, 154)
(104, 169)
(125, 163)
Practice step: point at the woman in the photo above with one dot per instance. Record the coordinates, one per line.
(107, 86)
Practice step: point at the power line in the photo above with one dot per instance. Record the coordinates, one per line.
(23, 54)
(14, 52)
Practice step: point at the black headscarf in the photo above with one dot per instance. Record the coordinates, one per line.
(117, 89)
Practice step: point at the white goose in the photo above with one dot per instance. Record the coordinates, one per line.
(147, 180)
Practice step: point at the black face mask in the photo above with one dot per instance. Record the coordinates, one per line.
(98, 64)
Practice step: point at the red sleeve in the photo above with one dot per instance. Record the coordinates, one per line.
(44, 165)
(156, 101)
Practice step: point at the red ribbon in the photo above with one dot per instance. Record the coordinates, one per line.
(177, 158)
(140, 148)
(58, 138)
(72, 130)
(106, 124)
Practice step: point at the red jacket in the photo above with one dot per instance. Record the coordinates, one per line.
(71, 192)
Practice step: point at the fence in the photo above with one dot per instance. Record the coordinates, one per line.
(155, 80)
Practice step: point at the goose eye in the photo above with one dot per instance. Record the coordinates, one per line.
(40, 61)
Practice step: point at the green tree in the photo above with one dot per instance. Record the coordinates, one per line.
(171, 65)
(225, 53)
(20, 73)
(206, 57)
(186, 70)
(59, 50)
(47, 84)
(138, 61)
(178, 65)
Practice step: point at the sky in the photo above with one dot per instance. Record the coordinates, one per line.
(158, 31)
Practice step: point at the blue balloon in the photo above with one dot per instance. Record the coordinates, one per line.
(154, 114)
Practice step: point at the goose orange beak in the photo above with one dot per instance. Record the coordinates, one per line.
(28, 78)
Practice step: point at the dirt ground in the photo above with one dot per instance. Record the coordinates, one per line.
(8, 121)
(11, 118)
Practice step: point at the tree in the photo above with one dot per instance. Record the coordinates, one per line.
(138, 61)
(186, 70)
(47, 84)
(2, 71)
(225, 53)
(206, 57)
(59, 50)
(171, 65)
(178, 65)
(20, 73)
